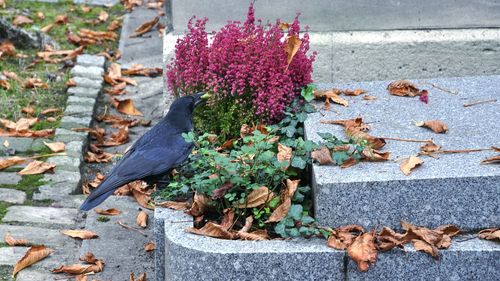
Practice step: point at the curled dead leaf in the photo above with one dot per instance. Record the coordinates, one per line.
(403, 88)
(145, 27)
(179, 206)
(363, 251)
(37, 167)
(108, 212)
(429, 147)
(33, 255)
(490, 160)
(142, 277)
(212, 230)
(80, 234)
(284, 154)
(76, 269)
(125, 106)
(436, 126)
(11, 241)
(490, 234)
(409, 164)
(55, 146)
(150, 246)
(142, 219)
(11, 161)
(322, 156)
(292, 46)
(257, 197)
(21, 20)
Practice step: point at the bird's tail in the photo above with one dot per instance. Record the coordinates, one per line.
(101, 193)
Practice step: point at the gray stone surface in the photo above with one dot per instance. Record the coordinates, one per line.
(62, 176)
(71, 201)
(70, 122)
(45, 216)
(96, 2)
(90, 60)
(474, 259)
(88, 83)
(119, 247)
(21, 145)
(60, 131)
(145, 50)
(84, 92)
(74, 149)
(9, 178)
(12, 196)
(454, 189)
(10, 255)
(325, 15)
(80, 100)
(244, 260)
(92, 72)
(55, 192)
(66, 163)
(22, 38)
(79, 110)
(37, 235)
(71, 138)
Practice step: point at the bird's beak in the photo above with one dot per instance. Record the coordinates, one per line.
(201, 98)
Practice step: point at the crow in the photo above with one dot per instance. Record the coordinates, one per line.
(154, 153)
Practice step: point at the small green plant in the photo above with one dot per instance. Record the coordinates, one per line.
(102, 219)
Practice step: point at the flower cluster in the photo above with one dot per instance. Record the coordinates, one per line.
(245, 63)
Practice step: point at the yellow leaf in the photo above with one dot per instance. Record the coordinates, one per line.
(33, 255)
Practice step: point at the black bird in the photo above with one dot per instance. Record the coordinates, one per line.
(154, 153)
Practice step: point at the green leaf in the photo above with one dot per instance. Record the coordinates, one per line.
(294, 232)
(295, 211)
(280, 229)
(307, 92)
(298, 162)
(307, 220)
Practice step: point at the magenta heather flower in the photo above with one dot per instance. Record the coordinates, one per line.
(246, 63)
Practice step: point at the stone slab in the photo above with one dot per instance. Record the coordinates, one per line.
(92, 72)
(90, 60)
(70, 122)
(474, 259)
(84, 91)
(20, 145)
(9, 178)
(343, 15)
(454, 189)
(10, 255)
(50, 238)
(66, 163)
(122, 249)
(242, 260)
(88, 83)
(97, 2)
(55, 192)
(81, 100)
(79, 110)
(12, 196)
(40, 215)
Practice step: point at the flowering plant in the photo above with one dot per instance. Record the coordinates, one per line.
(253, 71)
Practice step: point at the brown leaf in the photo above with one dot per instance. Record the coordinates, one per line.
(356, 92)
(28, 110)
(228, 219)
(4, 84)
(409, 164)
(222, 190)
(126, 106)
(7, 48)
(140, 278)
(179, 206)
(363, 251)
(108, 212)
(258, 235)
(21, 20)
(142, 197)
(88, 258)
(98, 36)
(491, 160)
(47, 28)
(358, 136)
(322, 156)
(150, 246)
(435, 125)
(429, 147)
(37, 167)
(80, 234)
(33, 255)
(50, 111)
(28, 134)
(200, 204)
(490, 234)
(145, 27)
(403, 88)
(40, 15)
(114, 25)
(375, 155)
(11, 161)
(55, 146)
(286, 201)
(292, 46)
(330, 95)
(142, 219)
(368, 97)
(425, 247)
(11, 241)
(102, 157)
(284, 154)
(56, 56)
(212, 230)
(257, 197)
(76, 269)
(139, 70)
(117, 138)
(103, 16)
(35, 83)
(61, 19)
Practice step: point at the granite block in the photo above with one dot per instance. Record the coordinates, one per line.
(90, 60)
(40, 215)
(70, 122)
(84, 92)
(91, 72)
(88, 83)
(81, 100)
(79, 110)
(20, 145)
(12, 196)
(454, 189)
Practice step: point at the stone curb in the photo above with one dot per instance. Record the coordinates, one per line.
(311, 259)
(81, 102)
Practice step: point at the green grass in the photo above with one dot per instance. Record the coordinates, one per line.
(55, 75)
(3, 209)
(29, 184)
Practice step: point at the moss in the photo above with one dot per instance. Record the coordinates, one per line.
(29, 184)
(102, 219)
(3, 209)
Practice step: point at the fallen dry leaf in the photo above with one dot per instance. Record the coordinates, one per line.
(76, 269)
(425, 247)
(429, 147)
(212, 230)
(21, 20)
(150, 246)
(98, 36)
(61, 19)
(490, 160)
(490, 234)
(55, 146)
(80, 234)
(403, 88)
(33, 255)
(11, 161)
(258, 235)
(257, 198)
(322, 156)
(140, 70)
(102, 157)
(37, 167)
(28, 134)
(142, 277)
(375, 155)
(11, 241)
(436, 126)
(145, 27)
(2, 4)
(141, 193)
(292, 46)
(103, 16)
(7, 48)
(5, 84)
(286, 201)
(125, 106)
(363, 251)
(107, 212)
(114, 25)
(330, 95)
(56, 56)
(88, 258)
(40, 15)
(142, 219)
(355, 93)
(179, 206)
(50, 111)
(409, 164)
(284, 154)
(368, 97)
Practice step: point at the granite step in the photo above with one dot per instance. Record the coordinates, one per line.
(454, 189)
(184, 256)
(41, 216)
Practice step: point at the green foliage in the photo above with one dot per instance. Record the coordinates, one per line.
(28, 184)
(355, 148)
(308, 92)
(3, 209)
(102, 219)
